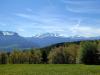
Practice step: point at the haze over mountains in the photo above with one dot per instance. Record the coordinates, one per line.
(10, 40)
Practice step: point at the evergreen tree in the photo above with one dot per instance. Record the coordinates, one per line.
(88, 53)
(3, 58)
(44, 56)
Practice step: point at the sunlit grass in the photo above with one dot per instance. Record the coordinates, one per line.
(49, 69)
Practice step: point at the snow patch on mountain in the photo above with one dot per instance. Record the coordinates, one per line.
(7, 33)
(47, 35)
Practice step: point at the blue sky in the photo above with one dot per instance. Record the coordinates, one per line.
(66, 17)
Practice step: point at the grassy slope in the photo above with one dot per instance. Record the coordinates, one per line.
(43, 69)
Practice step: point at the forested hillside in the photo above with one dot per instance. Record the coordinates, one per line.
(82, 52)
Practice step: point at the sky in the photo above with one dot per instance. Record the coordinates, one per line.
(65, 17)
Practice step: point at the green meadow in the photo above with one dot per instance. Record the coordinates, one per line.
(49, 69)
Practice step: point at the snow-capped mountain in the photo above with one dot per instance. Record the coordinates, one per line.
(7, 33)
(47, 35)
(46, 39)
(10, 40)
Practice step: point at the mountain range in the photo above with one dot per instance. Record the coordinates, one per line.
(10, 40)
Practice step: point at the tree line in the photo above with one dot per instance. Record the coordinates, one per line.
(86, 52)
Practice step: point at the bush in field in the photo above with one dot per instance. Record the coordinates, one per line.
(58, 56)
(88, 53)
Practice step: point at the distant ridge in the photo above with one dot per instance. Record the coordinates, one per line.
(10, 40)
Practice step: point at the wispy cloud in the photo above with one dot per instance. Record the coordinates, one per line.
(43, 19)
(23, 15)
(54, 24)
(66, 17)
(84, 30)
(86, 6)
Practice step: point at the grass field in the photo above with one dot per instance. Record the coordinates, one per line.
(49, 69)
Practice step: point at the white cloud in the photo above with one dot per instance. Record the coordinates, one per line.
(82, 6)
(45, 21)
(22, 15)
(53, 24)
(84, 30)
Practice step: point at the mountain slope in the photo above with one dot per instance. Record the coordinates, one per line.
(10, 40)
(48, 39)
